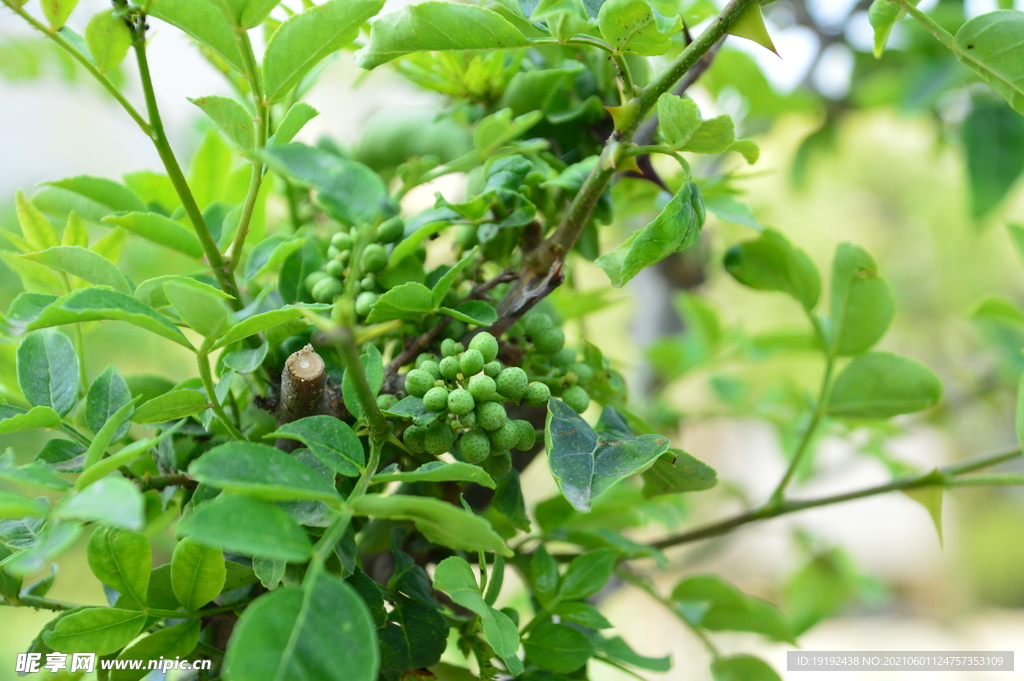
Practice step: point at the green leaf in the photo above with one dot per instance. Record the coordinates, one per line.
(151, 292)
(750, 25)
(708, 602)
(202, 311)
(321, 632)
(48, 370)
(675, 228)
(414, 637)
(678, 119)
(26, 308)
(306, 38)
(112, 501)
(122, 560)
(197, 573)
(15, 419)
(109, 195)
(883, 15)
(298, 115)
(203, 21)
(107, 394)
(583, 613)
(247, 13)
(443, 284)
(329, 439)
(57, 11)
(587, 574)
(585, 462)
(261, 471)
(122, 458)
(879, 385)
(160, 230)
(82, 263)
(406, 301)
(455, 577)
(209, 170)
(544, 575)
(98, 304)
(98, 446)
(108, 38)
(436, 471)
(247, 360)
(17, 506)
(714, 136)
(232, 119)
(171, 406)
(676, 472)
(166, 644)
(634, 26)
(373, 368)
(862, 304)
(827, 582)
(54, 540)
(252, 527)
(508, 501)
(472, 312)
(771, 263)
(742, 668)
(259, 323)
(439, 522)
(413, 408)
(36, 473)
(989, 44)
(348, 190)
(95, 630)
(267, 255)
(993, 139)
(35, 228)
(558, 648)
(437, 26)
(619, 650)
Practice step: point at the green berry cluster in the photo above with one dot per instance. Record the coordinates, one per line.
(549, 357)
(328, 283)
(468, 388)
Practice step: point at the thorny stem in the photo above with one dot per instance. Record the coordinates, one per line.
(164, 481)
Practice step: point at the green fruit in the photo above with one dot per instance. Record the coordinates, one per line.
(583, 371)
(482, 388)
(414, 439)
(506, 437)
(448, 348)
(537, 395)
(436, 399)
(374, 258)
(550, 340)
(449, 368)
(475, 445)
(335, 268)
(535, 322)
(562, 358)
(367, 283)
(390, 230)
(365, 301)
(498, 465)
(439, 438)
(326, 289)
(418, 382)
(343, 256)
(332, 252)
(386, 400)
(577, 398)
(431, 367)
(512, 383)
(313, 277)
(490, 415)
(527, 435)
(471, 362)
(468, 420)
(342, 241)
(460, 402)
(425, 357)
(487, 344)
(492, 369)
(465, 236)
(455, 329)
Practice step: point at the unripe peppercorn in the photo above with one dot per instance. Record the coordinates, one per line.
(364, 302)
(465, 236)
(492, 369)
(471, 362)
(414, 439)
(512, 383)
(313, 277)
(418, 382)
(468, 420)
(425, 357)
(537, 395)
(505, 437)
(486, 344)
(326, 289)
(455, 329)
(498, 465)
(527, 435)
(367, 283)
(374, 259)
(490, 415)
(334, 268)
(535, 322)
(577, 398)
(562, 358)
(482, 388)
(332, 252)
(475, 445)
(583, 371)
(436, 399)
(386, 400)
(432, 368)
(460, 402)
(390, 230)
(549, 341)
(342, 241)
(439, 438)
(448, 348)
(449, 368)
(343, 256)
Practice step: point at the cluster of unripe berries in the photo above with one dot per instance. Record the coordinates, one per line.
(328, 283)
(467, 388)
(556, 362)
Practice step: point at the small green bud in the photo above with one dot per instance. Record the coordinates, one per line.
(527, 435)
(468, 419)
(364, 302)
(449, 368)
(562, 358)
(512, 383)
(487, 344)
(335, 268)
(439, 438)
(475, 446)
(386, 400)
(390, 230)
(313, 277)
(577, 398)
(342, 241)
(414, 439)
(550, 340)
(418, 382)
(471, 362)
(583, 371)
(482, 388)
(460, 402)
(505, 437)
(432, 368)
(374, 258)
(436, 399)
(490, 415)
(326, 289)
(448, 348)
(492, 369)
(535, 322)
(498, 465)
(537, 395)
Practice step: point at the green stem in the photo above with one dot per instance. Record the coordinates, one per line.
(628, 90)
(164, 481)
(367, 398)
(76, 434)
(39, 603)
(205, 374)
(163, 147)
(639, 583)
